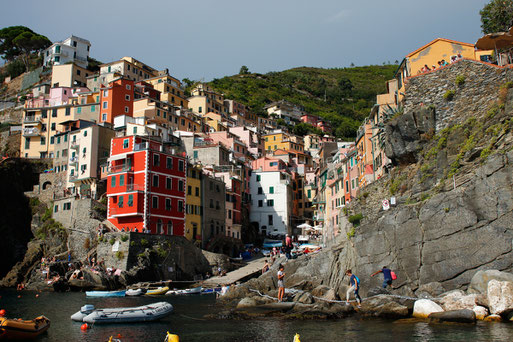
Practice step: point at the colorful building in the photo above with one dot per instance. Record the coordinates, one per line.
(116, 99)
(194, 209)
(146, 186)
(71, 50)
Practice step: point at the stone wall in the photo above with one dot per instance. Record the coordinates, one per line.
(479, 90)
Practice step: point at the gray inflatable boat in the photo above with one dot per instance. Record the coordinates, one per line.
(145, 313)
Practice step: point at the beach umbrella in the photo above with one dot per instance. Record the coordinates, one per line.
(495, 41)
(304, 226)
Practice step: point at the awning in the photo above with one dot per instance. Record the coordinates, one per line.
(118, 157)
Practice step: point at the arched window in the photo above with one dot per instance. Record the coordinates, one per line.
(159, 227)
(169, 227)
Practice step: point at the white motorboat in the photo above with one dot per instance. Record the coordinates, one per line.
(145, 313)
(194, 290)
(135, 292)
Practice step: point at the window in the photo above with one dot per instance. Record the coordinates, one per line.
(120, 202)
(180, 206)
(43, 114)
(84, 150)
(130, 200)
(68, 111)
(155, 180)
(189, 190)
(43, 140)
(197, 191)
(159, 226)
(168, 204)
(57, 58)
(168, 183)
(217, 205)
(260, 190)
(134, 131)
(211, 203)
(169, 163)
(113, 182)
(104, 117)
(105, 105)
(180, 186)
(128, 85)
(51, 140)
(54, 113)
(195, 154)
(229, 214)
(155, 202)
(271, 189)
(180, 166)
(93, 108)
(199, 109)
(270, 203)
(105, 93)
(270, 219)
(309, 192)
(260, 203)
(258, 178)
(121, 180)
(55, 208)
(169, 227)
(156, 160)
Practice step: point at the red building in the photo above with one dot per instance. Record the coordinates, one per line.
(116, 99)
(146, 186)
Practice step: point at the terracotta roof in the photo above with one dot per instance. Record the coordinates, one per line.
(436, 40)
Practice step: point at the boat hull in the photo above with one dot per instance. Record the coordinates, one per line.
(157, 292)
(13, 329)
(146, 313)
(105, 293)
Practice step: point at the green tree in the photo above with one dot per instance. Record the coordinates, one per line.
(8, 49)
(29, 42)
(244, 70)
(497, 16)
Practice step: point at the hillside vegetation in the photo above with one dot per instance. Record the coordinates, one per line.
(344, 96)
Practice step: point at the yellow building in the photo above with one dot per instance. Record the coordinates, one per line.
(69, 75)
(205, 100)
(279, 140)
(193, 200)
(171, 90)
(430, 54)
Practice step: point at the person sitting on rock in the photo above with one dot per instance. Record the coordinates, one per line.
(387, 276)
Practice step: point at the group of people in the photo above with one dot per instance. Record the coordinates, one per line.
(440, 63)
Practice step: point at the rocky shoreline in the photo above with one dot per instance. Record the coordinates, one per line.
(489, 297)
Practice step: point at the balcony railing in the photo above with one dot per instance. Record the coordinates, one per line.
(120, 168)
(125, 211)
(73, 177)
(31, 132)
(32, 119)
(135, 187)
(141, 146)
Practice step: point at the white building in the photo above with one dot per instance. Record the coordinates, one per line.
(271, 197)
(89, 147)
(286, 111)
(73, 49)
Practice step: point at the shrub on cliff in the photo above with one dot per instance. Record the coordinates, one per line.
(449, 95)
(355, 219)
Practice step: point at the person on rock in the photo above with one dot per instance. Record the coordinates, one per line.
(354, 286)
(281, 285)
(387, 276)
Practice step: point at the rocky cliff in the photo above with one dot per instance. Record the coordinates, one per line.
(453, 186)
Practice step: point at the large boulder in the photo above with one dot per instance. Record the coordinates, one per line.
(459, 316)
(500, 297)
(304, 298)
(383, 306)
(325, 292)
(430, 290)
(479, 282)
(425, 307)
(457, 300)
(246, 303)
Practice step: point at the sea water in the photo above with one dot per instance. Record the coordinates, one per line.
(189, 323)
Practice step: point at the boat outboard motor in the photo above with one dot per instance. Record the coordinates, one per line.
(84, 311)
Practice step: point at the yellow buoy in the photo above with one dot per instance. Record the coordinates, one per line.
(172, 338)
(296, 338)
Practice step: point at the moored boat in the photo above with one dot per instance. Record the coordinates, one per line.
(145, 313)
(194, 290)
(105, 293)
(135, 292)
(157, 292)
(17, 329)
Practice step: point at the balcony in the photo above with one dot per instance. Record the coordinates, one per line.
(73, 160)
(73, 177)
(32, 120)
(141, 147)
(135, 187)
(121, 168)
(125, 211)
(74, 145)
(31, 132)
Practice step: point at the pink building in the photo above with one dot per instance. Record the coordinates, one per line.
(58, 97)
(252, 140)
(266, 164)
(230, 141)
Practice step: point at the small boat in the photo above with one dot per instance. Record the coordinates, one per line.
(211, 290)
(194, 290)
(145, 313)
(135, 292)
(268, 243)
(105, 293)
(17, 329)
(157, 292)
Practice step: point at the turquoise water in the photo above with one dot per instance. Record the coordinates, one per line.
(187, 321)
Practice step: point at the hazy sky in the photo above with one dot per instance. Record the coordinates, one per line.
(203, 39)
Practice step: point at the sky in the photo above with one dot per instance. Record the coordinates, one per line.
(206, 39)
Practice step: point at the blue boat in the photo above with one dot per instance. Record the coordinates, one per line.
(268, 243)
(105, 293)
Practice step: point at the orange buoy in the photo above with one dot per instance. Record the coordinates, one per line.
(19, 296)
(119, 336)
(84, 327)
(2, 313)
(37, 295)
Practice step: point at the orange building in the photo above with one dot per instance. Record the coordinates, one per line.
(116, 99)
